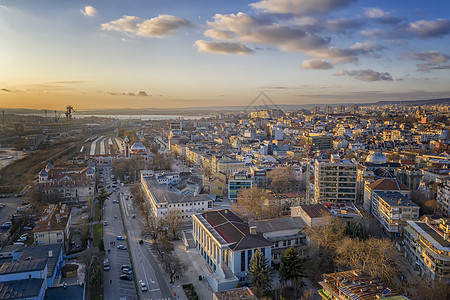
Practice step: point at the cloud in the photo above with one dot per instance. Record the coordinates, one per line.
(426, 29)
(244, 28)
(340, 25)
(160, 26)
(345, 55)
(138, 94)
(222, 47)
(316, 64)
(367, 75)
(381, 15)
(433, 57)
(433, 60)
(89, 11)
(300, 7)
(5, 90)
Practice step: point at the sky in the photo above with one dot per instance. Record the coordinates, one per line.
(200, 53)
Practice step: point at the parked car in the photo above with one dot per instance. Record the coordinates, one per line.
(122, 247)
(127, 271)
(125, 267)
(23, 238)
(133, 216)
(120, 238)
(29, 226)
(105, 223)
(106, 268)
(143, 286)
(6, 225)
(115, 201)
(141, 241)
(126, 277)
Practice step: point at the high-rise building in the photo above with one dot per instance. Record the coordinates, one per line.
(443, 198)
(328, 110)
(335, 181)
(340, 109)
(353, 109)
(316, 110)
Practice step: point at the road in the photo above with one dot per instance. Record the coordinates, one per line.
(117, 289)
(145, 266)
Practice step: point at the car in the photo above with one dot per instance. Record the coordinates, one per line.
(6, 225)
(143, 286)
(125, 267)
(122, 247)
(105, 223)
(127, 271)
(141, 241)
(133, 216)
(126, 277)
(2, 205)
(23, 238)
(28, 227)
(115, 201)
(106, 268)
(120, 238)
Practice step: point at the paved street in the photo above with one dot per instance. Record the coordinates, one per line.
(117, 289)
(145, 266)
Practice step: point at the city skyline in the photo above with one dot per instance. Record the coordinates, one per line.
(167, 54)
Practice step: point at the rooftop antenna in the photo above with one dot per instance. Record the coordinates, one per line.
(45, 111)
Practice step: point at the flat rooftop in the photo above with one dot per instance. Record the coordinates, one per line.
(164, 194)
(396, 199)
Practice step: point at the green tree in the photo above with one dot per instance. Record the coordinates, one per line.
(101, 245)
(95, 271)
(291, 266)
(103, 196)
(259, 272)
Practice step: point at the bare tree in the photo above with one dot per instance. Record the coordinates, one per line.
(172, 265)
(281, 179)
(257, 204)
(152, 227)
(173, 220)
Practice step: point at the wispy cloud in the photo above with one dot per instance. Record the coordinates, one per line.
(432, 60)
(367, 75)
(300, 7)
(137, 94)
(316, 64)
(381, 15)
(89, 11)
(160, 26)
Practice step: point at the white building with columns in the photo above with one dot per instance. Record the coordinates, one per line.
(227, 244)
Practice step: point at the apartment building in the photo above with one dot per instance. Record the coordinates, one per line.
(443, 197)
(335, 181)
(383, 185)
(392, 210)
(53, 226)
(427, 248)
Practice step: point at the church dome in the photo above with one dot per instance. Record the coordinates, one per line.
(376, 157)
(138, 147)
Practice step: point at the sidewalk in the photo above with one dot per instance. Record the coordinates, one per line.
(194, 264)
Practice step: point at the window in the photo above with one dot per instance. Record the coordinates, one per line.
(249, 256)
(263, 251)
(242, 260)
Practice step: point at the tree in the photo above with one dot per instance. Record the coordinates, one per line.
(257, 204)
(372, 256)
(173, 220)
(102, 197)
(95, 272)
(291, 266)
(152, 227)
(281, 179)
(35, 198)
(138, 193)
(101, 245)
(172, 265)
(259, 273)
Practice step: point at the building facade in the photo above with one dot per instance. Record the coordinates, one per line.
(335, 181)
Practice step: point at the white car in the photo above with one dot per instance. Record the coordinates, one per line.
(23, 238)
(143, 286)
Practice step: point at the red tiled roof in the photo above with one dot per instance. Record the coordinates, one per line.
(388, 185)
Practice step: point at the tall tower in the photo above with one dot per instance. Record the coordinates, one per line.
(126, 147)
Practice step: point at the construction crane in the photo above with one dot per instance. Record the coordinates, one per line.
(69, 110)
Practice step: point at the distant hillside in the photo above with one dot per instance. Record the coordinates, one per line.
(192, 111)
